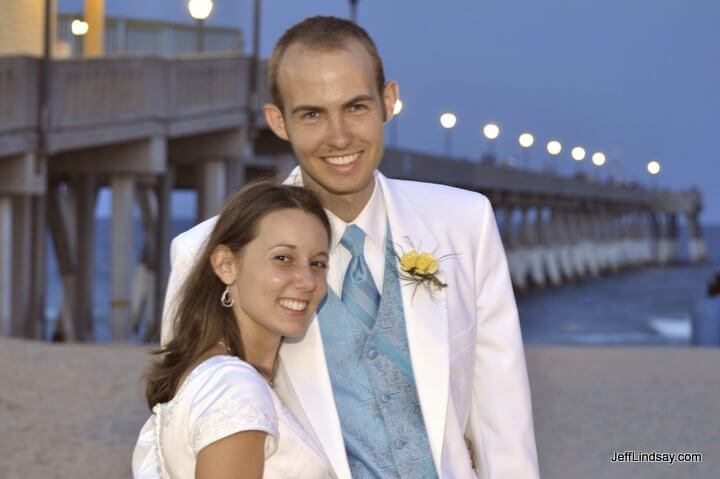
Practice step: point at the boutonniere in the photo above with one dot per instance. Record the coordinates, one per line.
(421, 268)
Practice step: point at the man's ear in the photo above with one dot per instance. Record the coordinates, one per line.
(276, 121)
(223, 264)
(391, 93)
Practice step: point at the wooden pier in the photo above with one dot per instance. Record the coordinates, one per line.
(146, 126)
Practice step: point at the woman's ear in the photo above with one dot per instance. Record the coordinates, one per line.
(223, 264)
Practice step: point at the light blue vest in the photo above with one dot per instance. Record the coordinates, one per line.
(374, 385)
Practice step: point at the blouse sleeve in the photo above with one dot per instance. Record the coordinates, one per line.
(232, 399)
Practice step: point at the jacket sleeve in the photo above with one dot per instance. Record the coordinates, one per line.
(180, 263)
(500, 422)
(184, 250)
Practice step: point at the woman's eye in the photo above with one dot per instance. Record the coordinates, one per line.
(282, 258)
(319, 264)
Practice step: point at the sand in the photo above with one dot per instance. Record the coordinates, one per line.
(69, 411)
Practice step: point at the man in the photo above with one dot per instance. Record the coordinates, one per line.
(391, 378)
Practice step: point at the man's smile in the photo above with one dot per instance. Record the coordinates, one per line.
(342, 160)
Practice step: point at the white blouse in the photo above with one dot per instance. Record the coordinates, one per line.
(223, 395)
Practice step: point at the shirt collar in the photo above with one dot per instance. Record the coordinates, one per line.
(372, 220)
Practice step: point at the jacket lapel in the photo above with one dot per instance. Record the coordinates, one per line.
(425, 318)
(306, 367)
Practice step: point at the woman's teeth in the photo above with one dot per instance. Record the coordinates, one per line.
(342, 160)
(292, 304)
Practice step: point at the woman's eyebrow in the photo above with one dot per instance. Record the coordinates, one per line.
(283, 245)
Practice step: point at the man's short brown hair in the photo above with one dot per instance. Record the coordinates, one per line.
(322, 34)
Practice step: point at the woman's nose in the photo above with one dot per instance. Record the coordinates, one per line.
(305, 279)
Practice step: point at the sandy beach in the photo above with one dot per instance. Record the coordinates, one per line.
(69, 411)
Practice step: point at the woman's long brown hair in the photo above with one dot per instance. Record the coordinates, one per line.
(200, 319)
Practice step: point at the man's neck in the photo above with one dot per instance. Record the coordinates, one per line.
(346, 207)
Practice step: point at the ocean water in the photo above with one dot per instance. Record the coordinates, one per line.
(650, 306)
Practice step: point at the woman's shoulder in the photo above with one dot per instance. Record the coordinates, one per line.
(223, 365)
(215, 375)
(225, 395)
(225, 372)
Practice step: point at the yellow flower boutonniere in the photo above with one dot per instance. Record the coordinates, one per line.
(421, 268)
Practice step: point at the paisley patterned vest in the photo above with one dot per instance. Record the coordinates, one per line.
(374, 385)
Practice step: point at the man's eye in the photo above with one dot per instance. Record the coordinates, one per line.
(358, 108)
(311, 115)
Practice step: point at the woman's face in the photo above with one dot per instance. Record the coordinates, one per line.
(281, 276)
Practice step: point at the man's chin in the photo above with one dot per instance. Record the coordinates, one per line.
(347, 188)
(338, 185)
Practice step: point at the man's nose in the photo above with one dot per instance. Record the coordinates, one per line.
(339, 135)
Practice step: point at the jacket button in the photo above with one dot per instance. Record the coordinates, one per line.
(372, 354)
(384, 397)
(400, 443)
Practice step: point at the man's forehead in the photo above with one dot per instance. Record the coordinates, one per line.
(301, 51)
(306, 71)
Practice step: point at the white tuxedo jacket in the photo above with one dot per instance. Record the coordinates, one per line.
(465, 343)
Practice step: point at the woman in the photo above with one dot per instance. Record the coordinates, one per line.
(259, 278)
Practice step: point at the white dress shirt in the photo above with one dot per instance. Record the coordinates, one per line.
(373, 221)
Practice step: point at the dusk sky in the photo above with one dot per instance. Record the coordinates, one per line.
(638, 80)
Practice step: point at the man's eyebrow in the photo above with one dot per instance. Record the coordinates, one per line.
(357, 99)
(300, 108)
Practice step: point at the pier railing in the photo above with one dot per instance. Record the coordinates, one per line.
(107, 100)
(521, 182)
(106, 92)
(18, 103)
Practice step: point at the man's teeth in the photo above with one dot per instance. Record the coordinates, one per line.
(292, 304)
(342, 160)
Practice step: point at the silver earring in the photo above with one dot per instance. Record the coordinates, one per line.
(226, 299)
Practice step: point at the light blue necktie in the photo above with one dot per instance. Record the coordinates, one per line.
(359, 293)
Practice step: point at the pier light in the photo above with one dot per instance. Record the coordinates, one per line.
(79, 27)
(653, 167)
(578, 153)
(526, 140)
(397, 108)
(200, 9)
(598, 158)
(554, 147)
(448, 120)
(491, 131)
